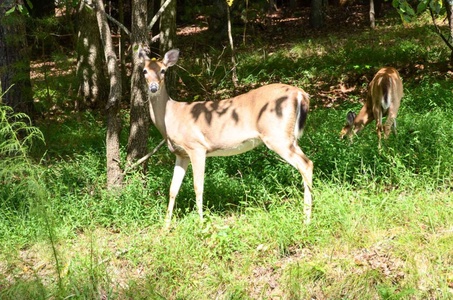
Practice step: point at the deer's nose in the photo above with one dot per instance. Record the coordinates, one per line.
(153, 87)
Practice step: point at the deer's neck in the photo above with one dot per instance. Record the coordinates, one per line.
(158, 108)
(364, 117)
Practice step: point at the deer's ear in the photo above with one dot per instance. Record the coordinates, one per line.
(171, 57)
(350, 117)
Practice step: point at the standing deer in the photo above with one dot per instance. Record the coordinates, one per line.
(383, 99)
(274, 114)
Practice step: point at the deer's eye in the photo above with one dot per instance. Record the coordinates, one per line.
(145, 71)
(162, 71)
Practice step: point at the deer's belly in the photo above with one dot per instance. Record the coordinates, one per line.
(237, 149)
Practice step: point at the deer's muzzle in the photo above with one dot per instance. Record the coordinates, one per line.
(153, 87)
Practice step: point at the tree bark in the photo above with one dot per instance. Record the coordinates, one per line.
(168, 27)
(122, 51)
(449, 8)
(234, 76)
(15, 59)
(317, 14)
(114, 172)
(372, 15)
(167, 40)
(140, 120)
(375, 11)
(218, 25)
(93, 84)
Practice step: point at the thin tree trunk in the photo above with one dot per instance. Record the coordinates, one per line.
(114, 172)
(218, 22)
(447, 40)
(316, 14)
(234, 76)
(168, 27)
(93, 84)
(272, 6)
(140, 120)
(372, 15)
(449, 8)
(167, 39)
(15, 59)
(122, 45)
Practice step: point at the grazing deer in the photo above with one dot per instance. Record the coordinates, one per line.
(274, 114)
(383, 99)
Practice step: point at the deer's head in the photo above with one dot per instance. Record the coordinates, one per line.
(349, 126)
(154, 69)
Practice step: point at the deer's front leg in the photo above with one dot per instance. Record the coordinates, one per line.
(178, 175)
(198, 159)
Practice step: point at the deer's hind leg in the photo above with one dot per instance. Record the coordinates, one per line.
(390, 123)
(198, 159)
(292, 153)
(377, 112)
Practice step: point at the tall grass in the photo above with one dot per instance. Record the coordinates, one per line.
(21, 191)
(381, 229)
(23, 195)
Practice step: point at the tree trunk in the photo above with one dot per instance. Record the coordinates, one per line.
(93, 84)
(218, 25)
(153, 6)
(140, 120)
(168, 27)
(375, 11)
(114, 172)
(122, 51)
(378, 8)
(449, 8)
(167, 40)
(15, 59)
(317, 14)
(234, 75)
(372, 15)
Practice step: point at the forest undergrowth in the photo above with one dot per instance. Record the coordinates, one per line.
(382, 223)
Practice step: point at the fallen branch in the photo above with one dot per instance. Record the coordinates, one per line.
(158, 14)
(112, 19)
(439, 32)
(144, 158)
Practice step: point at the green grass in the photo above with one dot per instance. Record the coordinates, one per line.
(381, 229)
